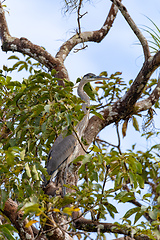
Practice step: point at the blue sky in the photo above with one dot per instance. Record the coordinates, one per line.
(44, 23)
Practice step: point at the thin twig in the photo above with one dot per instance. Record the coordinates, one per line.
(119, 139)
(79, 16)
(87, 152)
(103, 141)
(88, 36)
(113, 145)
(104, 183)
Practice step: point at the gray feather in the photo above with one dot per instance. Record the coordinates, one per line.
(60, 152)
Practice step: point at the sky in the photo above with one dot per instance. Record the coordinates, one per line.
(45, 24)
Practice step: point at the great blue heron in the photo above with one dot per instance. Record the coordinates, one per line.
(65, 149)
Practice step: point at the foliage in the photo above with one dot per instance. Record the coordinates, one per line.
(33, 113)
(154, 33)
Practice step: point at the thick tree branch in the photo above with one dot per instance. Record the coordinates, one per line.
(92, 226)
(23, 45)
(113, 114)
(16, 218)
(126, 105)
(134, 27)
(52, 230)
(91, 36)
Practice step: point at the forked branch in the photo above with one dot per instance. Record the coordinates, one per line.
(91, 36)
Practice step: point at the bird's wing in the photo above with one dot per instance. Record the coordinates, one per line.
(60, 152)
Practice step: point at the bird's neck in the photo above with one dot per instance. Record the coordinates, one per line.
(83, 96)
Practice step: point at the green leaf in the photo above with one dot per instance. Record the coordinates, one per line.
(147, 195)
(138, 216)
(35, 173)
(124, 196)
(132, 178)
(4, 197)
(153, 214)
(96, 149)
(6, 232)
(13, 57)
(14, 83)
(111, 209)
(131, 212)
(118, 179)
(22, 154)
(87, 158)
(90, 91)
(140, 181)
(97, 114)
(28, 171)
(21, 67)
(17, 64)
(135, 123)
(53, 72)
(94, 176)
(138, 166)
(41, 168)
(69, 119)
(31, 207)
(104, 73)
(8, 79)
(37, 109)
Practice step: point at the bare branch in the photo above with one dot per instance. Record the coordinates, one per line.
(79, 16)
(134, 27)
(103, 141)
(91, 36)
(23, 45)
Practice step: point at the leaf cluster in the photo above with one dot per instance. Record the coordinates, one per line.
(32, 114)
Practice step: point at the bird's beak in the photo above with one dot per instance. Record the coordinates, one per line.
(98, 78)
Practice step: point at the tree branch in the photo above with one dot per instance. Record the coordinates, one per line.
(16, 218)
(23, 45)
(91, 36)
(92, 226)
(150, 101)
(54, 231)
(136, 203)
(125, 106)
(124, 238)
(134, 27)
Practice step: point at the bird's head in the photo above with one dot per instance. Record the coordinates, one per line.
(92, 77)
